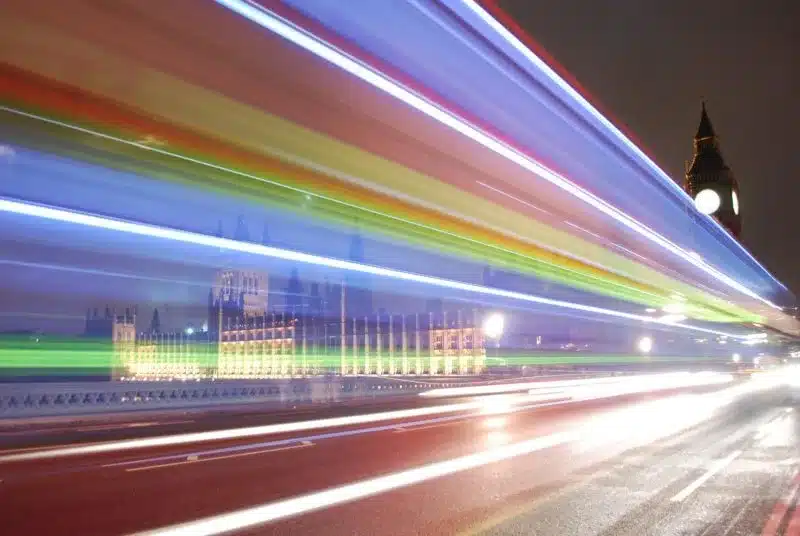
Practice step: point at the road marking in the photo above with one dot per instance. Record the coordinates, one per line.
(196, 459)
(402, 429)
(266, 513)
(117, 426)
(716, 468)
(781, 509)
(793, 528)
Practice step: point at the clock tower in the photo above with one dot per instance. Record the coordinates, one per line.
(710, 181)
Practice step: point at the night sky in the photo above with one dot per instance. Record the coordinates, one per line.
(649, 64)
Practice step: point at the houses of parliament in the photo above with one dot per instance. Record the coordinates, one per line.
(252, 331)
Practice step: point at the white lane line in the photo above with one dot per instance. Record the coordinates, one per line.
(716, 468)
(195, 459)
(269, 512)
(402, 429)
(100, 427)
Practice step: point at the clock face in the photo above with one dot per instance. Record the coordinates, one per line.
(735, 201)
(707, 201)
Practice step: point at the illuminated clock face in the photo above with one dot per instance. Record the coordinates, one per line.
(707, 201)
(735, 201)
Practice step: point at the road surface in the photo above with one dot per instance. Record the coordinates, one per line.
(711, 462)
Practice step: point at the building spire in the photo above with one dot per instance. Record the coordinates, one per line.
(265, 235)
(705, 129)
(242, 233)
(356, 250)
(155, 323)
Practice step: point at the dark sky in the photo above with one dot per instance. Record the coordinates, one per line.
(649, 63)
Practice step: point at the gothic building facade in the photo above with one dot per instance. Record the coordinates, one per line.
(253, 331)
(709, 180)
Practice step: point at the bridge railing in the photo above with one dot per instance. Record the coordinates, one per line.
(84, 398)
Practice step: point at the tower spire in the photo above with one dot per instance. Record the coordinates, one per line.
(242, 233)
(356, 252)
(705, 129)
(265, 235)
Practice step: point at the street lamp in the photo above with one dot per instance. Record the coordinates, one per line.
(189, 330)
(493, 326)
(645, 345)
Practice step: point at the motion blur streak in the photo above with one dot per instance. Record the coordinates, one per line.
(56, 214)
(538, 392)
(543, 67)
(340, 59)
(240, 432)
(648, 382)
(358, 490)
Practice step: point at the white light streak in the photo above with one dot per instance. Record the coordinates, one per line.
(186, 237)
(295, 506)
(288, 31)
(542, 66)
(561, 387)
(239, 433)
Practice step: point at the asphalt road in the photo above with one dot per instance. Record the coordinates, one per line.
(683, 463)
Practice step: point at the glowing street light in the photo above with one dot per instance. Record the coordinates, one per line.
(645, 345)
(493, 326)
(190, 330)
(736, 358)
(674, 308)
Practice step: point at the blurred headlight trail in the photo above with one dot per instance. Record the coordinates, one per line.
(275, 24)
(254, 431)
(66, 216)
(643, 382)
(325, 499)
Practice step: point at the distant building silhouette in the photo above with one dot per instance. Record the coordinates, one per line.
(155, 323)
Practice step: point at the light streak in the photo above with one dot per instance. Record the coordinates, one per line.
(305, 40)
(540, 394)
(587, 231)
(239, 433)
(515, 198)
(645, 382)
(532, 387)
(542, 66)
(186, 237)
(295, 506)
(309, 194)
